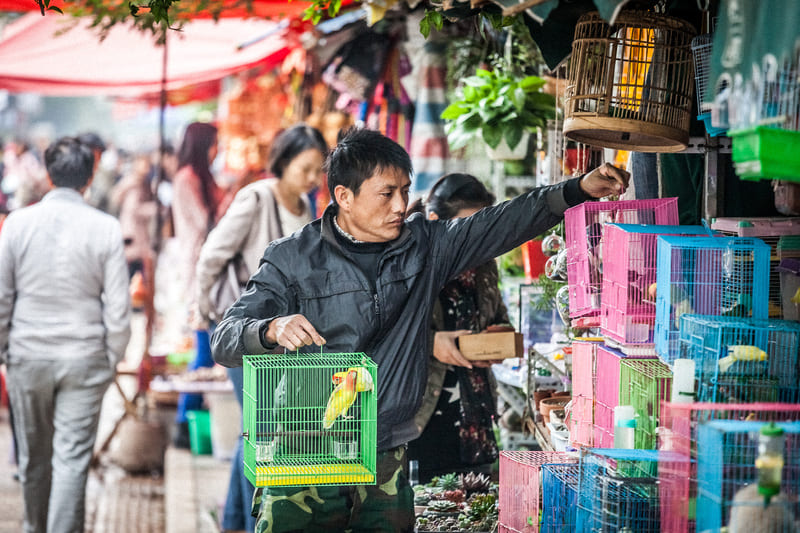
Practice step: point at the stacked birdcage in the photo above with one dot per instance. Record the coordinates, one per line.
(581, 421)
(559, 497)
(678, 438)
(644, 385)
(764, 114)
(520, 492)
(732, 477)
(630, 85)
(742, 359)
(583, 226)
(628, 302)
(618, 491)
(720, 276)
(771, 230)
(310, 419)
(701, 50)
(608, 367)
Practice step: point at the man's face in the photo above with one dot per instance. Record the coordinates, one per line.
(376, 214)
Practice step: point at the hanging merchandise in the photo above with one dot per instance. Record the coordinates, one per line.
(630, 86)
(357, 66)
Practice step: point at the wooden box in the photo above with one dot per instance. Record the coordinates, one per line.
(488, 346)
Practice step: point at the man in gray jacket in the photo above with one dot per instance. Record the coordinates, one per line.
(363, 279)
(64, 325)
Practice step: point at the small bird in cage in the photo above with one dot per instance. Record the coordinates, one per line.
(741, 353)
(344, 395)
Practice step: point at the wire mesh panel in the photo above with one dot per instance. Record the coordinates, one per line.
(628, 302)
(678, 437)
(559, 497)
(630, 86)
(583, 227)
(581, 422)
(310, 419)
(723, 276)
(770, 230)
(701, 49)
(739, 360)
(727, 477)
(520, 493)
(608, 367)
(618, 491)
(644, 384)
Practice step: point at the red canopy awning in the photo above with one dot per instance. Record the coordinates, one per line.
(273, 9)
(34, 57)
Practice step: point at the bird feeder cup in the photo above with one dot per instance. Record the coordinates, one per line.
(631, 85)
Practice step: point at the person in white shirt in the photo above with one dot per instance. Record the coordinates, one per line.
(64, 326)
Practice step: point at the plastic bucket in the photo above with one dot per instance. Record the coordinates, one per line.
(199, 432)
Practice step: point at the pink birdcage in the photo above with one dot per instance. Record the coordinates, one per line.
(520, 494)
(581, 424)
(628, 302)
(680, 425)
(583, 226)
(608, 370)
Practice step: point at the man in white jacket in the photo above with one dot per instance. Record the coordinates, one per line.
(64, 325)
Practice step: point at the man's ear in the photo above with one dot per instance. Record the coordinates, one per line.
(344, 197)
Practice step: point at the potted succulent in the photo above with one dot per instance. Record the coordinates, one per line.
(500, 107)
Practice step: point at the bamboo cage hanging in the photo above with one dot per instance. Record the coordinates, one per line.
(630, 86)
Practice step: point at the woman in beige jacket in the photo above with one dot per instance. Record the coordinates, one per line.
(261, 212)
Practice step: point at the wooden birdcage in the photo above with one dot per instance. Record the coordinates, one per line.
(631, 85)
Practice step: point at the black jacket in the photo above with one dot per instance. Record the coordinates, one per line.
(311, 274)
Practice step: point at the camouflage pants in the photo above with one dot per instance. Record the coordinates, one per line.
(387, 506)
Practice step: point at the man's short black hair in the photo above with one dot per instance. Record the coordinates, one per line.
(69, 163)
(92, 140)
(359, 155)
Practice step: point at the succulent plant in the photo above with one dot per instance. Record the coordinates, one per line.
(422, 498)
(456, 495)
(481, 507)
(472, 482)
(443, 506)
(449, 481)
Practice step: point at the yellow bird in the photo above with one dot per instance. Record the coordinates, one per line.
(741, 352)
(363, 380)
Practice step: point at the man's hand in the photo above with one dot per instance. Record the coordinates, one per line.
(445, 349)
(605, 180)
(293, 332)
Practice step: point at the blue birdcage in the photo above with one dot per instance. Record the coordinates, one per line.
(559, 497)
(742, 359)
(618, 491)
(720, 276)
(727, 477)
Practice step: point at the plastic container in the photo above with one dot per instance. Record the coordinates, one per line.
(624, 427)
(199, 432)
(766, 153)
(683, 381)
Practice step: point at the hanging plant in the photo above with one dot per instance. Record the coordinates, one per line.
(497, 105)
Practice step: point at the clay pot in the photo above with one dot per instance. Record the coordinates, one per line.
(561, 394)
(540, 395)
(548, 404)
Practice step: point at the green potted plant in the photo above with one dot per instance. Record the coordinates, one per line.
(499, 107)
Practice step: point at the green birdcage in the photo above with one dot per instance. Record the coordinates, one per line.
(310, 419)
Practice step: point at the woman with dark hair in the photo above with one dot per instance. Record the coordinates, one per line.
(459, 403)
(195, 202)
(261, 212)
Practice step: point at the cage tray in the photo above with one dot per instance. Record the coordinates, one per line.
(766, 153)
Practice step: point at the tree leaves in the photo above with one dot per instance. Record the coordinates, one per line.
(432, 20)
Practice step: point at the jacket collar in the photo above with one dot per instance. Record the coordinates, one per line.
(327, 231)
(64, 194)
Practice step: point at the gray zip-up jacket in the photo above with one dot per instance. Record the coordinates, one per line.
(311, 274)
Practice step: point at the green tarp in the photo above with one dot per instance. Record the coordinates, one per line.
(747, 32)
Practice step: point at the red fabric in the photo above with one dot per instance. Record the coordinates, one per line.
(127, 62)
